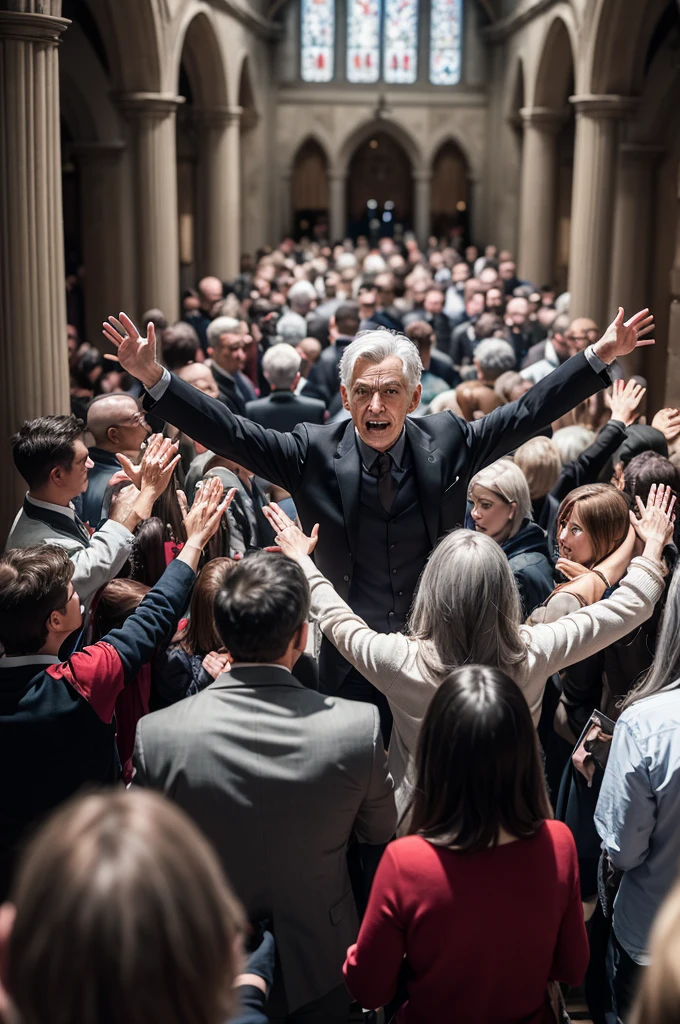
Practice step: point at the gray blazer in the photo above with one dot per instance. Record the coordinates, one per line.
(277, 776)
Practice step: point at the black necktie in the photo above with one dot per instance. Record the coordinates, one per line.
(387, 485)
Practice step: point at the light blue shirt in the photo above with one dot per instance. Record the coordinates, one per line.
(638, 814)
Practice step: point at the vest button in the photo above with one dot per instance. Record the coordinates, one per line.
(394, 572)
(390, 615)
(431, 458)
(346, 579)
(392, 547)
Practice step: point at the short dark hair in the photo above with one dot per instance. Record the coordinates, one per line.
(646, 469)
(420, 333)
(478, 764)
(261, 606)
(33, 583)
(347, 318)
(44, 443)
(179, 345)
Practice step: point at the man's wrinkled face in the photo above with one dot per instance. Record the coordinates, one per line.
(379, 399)
(230, 354)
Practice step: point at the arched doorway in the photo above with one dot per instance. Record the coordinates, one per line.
(379, 188)
(450, 192)
(310, 191)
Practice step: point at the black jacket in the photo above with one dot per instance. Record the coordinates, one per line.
(320, 465)
(529, 558)
(324, 377)
(234, 390)
(282, 410)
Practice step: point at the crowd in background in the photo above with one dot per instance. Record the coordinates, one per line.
(164, 617)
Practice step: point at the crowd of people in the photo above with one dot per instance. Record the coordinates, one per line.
(340, 664)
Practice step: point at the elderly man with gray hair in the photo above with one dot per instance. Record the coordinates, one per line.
(228, 340)
(283, 409)
(384, 486)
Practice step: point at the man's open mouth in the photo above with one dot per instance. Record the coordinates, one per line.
(377, 424)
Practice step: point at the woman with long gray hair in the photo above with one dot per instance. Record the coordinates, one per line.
(467, 612)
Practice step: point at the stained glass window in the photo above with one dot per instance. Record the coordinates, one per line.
(445, 42)
(318, 31)
(363, 40)
(400, 41)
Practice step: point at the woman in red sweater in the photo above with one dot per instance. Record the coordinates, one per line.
(479, 907)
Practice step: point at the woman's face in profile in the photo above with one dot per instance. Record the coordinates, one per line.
(491, 514)
(573, 540)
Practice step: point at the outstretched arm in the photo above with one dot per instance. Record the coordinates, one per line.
(275, 456)
(577, 379)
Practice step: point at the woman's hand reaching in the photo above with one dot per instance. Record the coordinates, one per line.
(289, 538)
(655, 524)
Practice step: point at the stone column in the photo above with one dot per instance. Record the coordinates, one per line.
(592, 204)
(156, 243)
(285, 202)
(219, 192)
(422, 201)
(671, 394)
(104, 249)
(538, 193)
(33, 353)
(631, 249)
(337, 202)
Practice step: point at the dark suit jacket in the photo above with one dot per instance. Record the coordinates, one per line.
(320, 465)
(89, 505)
(324, 377)
(282, 410)
(234, 391)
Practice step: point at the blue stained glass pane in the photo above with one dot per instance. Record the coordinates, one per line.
(363, 40)
(318, 32)
(445, 42)
(400, 60)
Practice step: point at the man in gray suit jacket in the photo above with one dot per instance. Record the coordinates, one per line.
(278, 777)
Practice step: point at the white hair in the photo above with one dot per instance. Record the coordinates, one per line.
(301, 295)
(573, 441)
(281, 365)
(506, 480)
(375, 346)
(291, 328)
(374, 264)
(219, 326)
(494, 357)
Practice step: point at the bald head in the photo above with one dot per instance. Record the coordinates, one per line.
(200, 377)
(116, 423)
(210, 291)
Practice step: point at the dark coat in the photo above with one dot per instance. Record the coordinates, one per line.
(282, 410)
(320, 465)
(89, 505)
(324, 377)
(529, 558)
(234, 390)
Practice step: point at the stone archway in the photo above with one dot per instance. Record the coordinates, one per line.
(309, 190)
(379, 187)
(450, 191)
(208, 172)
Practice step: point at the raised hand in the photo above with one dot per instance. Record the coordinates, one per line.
(216, 662)
(620, 338)
(157, 466)
(137, 355)
(134, 472)
(290, 538)
(668, 422)
(625, 401)
(655, 525)
(204, 516)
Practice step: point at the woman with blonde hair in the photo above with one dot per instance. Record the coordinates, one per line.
(120, 913)
(467, 611)
(501, 509)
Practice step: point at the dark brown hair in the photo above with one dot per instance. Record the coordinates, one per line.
(200, 635)
(420, 333)
(117, 600)
(34, 582)
(42, 444)
(478, 768)
(123, 916)
(603, 512)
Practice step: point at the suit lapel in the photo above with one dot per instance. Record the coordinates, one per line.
(428, 464)
(348, 472)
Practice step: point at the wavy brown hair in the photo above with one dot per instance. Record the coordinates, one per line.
(603, 512)
(200, 635)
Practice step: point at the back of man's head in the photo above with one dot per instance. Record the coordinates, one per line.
(560, 325)
(261, 607)
(347, 319)
(44, 443)
(34, 582)
(301, 297)
(106, 411)
(494, 357)
(281, 366)
(291, 329)
(179, 345)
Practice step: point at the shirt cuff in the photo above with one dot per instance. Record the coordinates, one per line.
(159, 389)
(590, 355)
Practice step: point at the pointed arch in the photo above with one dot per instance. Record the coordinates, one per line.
(555, 75)
(363, 132)
(198, 51)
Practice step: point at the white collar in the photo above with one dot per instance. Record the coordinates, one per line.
(65, 510)
(16, 661)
